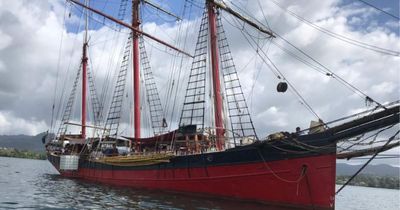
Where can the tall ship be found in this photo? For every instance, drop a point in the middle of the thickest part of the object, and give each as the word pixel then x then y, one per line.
pixel 213 149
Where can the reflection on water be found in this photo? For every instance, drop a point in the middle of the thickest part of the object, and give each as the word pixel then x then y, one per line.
pixel 70 193
pixel 34 184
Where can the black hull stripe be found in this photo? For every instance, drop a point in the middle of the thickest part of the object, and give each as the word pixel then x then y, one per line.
pixel 254 153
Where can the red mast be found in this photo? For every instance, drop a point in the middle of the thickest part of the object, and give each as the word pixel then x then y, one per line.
pixel 135 33
pixel 136 70
pixel 84 76
pixel 215 75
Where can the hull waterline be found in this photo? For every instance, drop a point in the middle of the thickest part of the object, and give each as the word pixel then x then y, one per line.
pixel 301 182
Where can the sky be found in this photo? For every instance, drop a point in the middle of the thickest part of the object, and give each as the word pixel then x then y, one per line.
pixel 40 48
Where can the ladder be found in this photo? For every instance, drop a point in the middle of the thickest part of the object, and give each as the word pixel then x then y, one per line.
pixel 114 113
pixel 240 119
pixel 194 104
pixel 68 108
pixel 158 121
pixel 97 107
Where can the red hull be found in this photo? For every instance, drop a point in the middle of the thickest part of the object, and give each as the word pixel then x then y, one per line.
pixel 284 182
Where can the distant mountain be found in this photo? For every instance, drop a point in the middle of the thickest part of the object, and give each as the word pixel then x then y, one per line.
pixel 343 169
pixel 23 142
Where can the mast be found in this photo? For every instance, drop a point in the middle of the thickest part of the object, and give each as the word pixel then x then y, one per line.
pixel 136 70
pixel 211 8
pixel 130 27
pixel 84 74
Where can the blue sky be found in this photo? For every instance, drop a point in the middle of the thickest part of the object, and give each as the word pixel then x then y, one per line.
pixel 380 18
pixel 149 14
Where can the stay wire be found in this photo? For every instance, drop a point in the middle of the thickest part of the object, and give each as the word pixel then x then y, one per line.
pixel 309 64
pixel 175 99
pixel 277 72
pixel 365 165
pixel 381 10
pixel 332 74
pixel 61 107
pixel 315 67
pixel 262 12
pixel 375 135
pixel 338 36
pixel 256 73
pixel 102 22
pixel 240 8
pixel 108 82
pixel 95 96
pixel 58 68
pixel 290 53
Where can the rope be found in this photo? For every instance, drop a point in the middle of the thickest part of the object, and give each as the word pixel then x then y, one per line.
pixel 58 69
pixel 302 174
pixel 272 66
pixel 345 83
pixel 375 135
pixel 383 11
pixel 333 75
pixel 365 165
pixel 60 108
pixel 101 22
pixel 309 193
pixel 338 36
pixel 174 99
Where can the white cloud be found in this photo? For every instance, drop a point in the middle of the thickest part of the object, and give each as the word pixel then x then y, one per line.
pixel 2 66
pixel 5 40
pixel 278 118
pixel 10 124
pixel 29 66
pixel 383 88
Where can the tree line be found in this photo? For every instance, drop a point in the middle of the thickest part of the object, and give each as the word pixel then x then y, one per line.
pixel 371 181
pixel 11 152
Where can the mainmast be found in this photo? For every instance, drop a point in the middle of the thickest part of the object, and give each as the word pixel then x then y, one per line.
pixel 136 69
pixel 84 73
pixel 219 124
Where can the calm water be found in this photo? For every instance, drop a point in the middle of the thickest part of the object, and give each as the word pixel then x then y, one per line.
pixel 34 184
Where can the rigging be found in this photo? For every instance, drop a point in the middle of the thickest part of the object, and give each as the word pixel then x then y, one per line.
pixel 60 108
pixel 369 160
pixel 52 124
pixel 332 74
pixel 318 68
pixel 130 27
pixel 338 36
pixel 272 66
pixel 381 10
